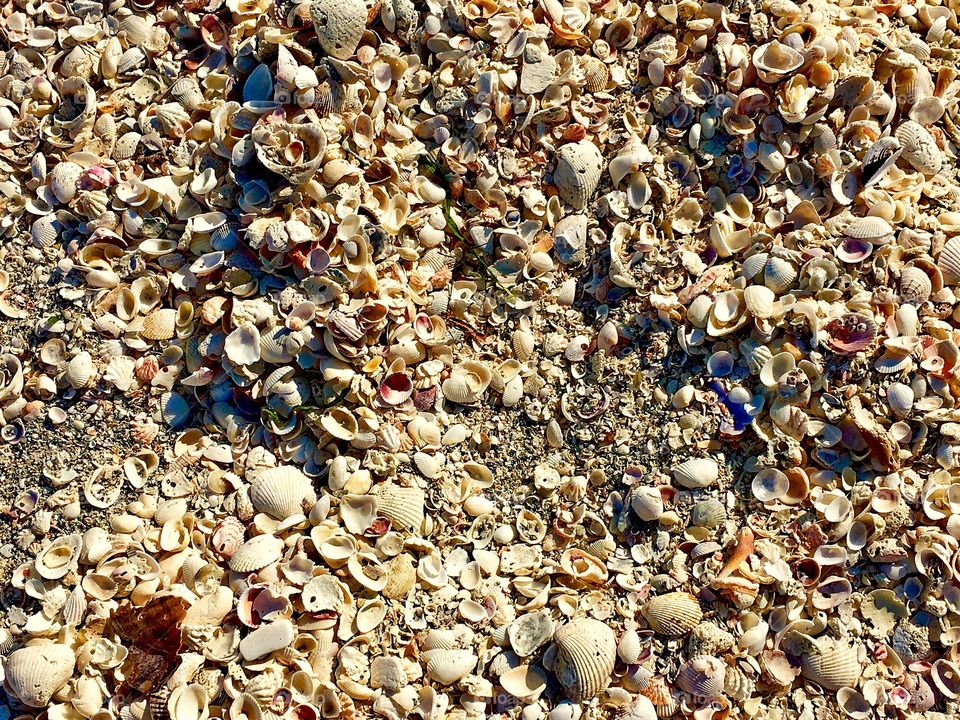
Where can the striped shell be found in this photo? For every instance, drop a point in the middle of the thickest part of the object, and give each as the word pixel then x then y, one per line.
pixel 920 148
pixel 868 228
pixel 831 664
pixel 35 673
pixel 595 75
pixel 449 666
pixel 79 370
pixel 280 491
pixel 915 286
pixel 629 647
pixel 256 553
pixel 402 506
pixel 523 344
pixel 949 261
pixel 708 513
pixel 64 179
pixel 160 324
pixel 696 473
pixel 586 655
pixel 673 614
pixel 702 676
pixel 579 166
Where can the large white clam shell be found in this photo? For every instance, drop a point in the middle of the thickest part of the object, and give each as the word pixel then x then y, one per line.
pixel 280 491
pixel 579 166
pixel 34 673
pixel 448 666
pixel 59 557
pixel 586 655
pixel 696 473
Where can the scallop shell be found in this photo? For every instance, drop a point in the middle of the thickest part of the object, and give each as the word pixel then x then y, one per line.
pixel 579 166
pixel 920 148
pixel 696 473
pixel 64 180
pixel 402 506
pixel 280 491
pixel 586 655
pixel 702 676
pixel 467 382
pixel 595 75
pixel 447 666
pixel 79 370
pixel 915 286
pixel 708 513
pixel 33 674
pixel 673 614
pixel 523 344
pixel 630 646
pixel 339 25
pixel 257 553
pixel 160 324
pixel 949 261
pixel 647 503
pixel 831 664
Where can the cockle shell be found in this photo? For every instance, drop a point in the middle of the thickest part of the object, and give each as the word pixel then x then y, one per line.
pixel 160 324
pixel 339 25
pixel 832 664
pixel 64 180
pixel 273 143
pixel 257 553
pixel 280 491
pixel 696 473
pixel 402 506
pixel 919 148
pixel 673 614
pixel 702 676
pixel 708 513
pixel 467 382
pixel 35 673
pixel 949 261
pixel 188 702
pixel 578 170
pixel 586 655
pixel 915 286
pixel 80 370
pixel 448 666
pixel 630 646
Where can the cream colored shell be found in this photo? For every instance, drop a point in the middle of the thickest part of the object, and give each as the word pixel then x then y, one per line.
pixel 586 655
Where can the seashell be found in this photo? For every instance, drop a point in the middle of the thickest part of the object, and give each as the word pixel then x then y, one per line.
pixel 339 25
pixel 596 76
pixel 160 324
pixel 647 503
pixel 174 409
pixel 34 673
pixel 188 702
pixel 915 286
pixel 528 632
pixel 949 261
pixel 256 554
pixel 696 473
pixel 59 557
pixel 292 151
pixel 539 70
pixel 242 346
pixel 523 681
pixel 879 158
pixel 402 506
pixel 585 658
pixel 850 333
pixel 774 61
pixel 702 676
pixel 832 664
pixel 708 513
pixel 759 300
pixel 448 666
pixel 280 491
pixel 267 639
pixel 64 181
pixel 523 343
pixel 919 148
pixel 870 227
pixel 79 370
pixel 467 382
pixel 578 170
pixel 769 485
pixel 629 647
pixel 673 614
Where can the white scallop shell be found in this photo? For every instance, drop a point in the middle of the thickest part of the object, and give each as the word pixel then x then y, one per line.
pixel 702 676
pixel 64 179
pixel 80 370
pixel 402 506
pixel 448 666
pixel 696 473
pixel 256 553
pixel 579 166
pixel 280 491
pixel 34 673
pixel 647 502
pixel 630 646
pixel 586 655
pixel 920 148
pixel 467 382
pixel 949 261
pixel 339 25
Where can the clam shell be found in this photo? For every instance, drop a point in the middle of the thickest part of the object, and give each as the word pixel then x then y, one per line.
pixel 467 382
pixel 647 503
pixel 708 513
pixel 59 557
pixel 256 553
pixel 339 25
pixel 530 631
pixel 696 473
pixel 33 674
pixel 79 370
pixel 915 286
pixel 64 179
pixel 831 664
pixel 702 676
pixel 759 300
pixel 673 614
pixel 160 324
pixel 919 148
pixel 630 646
pixel 586 655
pixel 949 261
pixel 402 506
pixel 447 666
pixel 280 491
pixel 579 166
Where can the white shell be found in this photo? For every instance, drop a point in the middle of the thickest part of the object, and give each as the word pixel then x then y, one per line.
pixel 160 324
pixel 530 631
pixel 949 261
pixel 579 166
pixel 920 148
pixel 696 473
pixel 402 506
pixel 242 346
pixel 35 673
pixel 647 503
pixel 267 639
pixel 188 702
pixel 63 180
pixel 586 655
pixel 467 382
pixel 280 491
pixel 79 371
pixel 448 666
pixel 256 553
pixel 339 25
pixel 59 557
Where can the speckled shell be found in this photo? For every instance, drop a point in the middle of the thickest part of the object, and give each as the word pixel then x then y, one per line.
pixel 579 166
pixel 586 655
pixel 673 614
pixel 339 25
pixel 280 491
pixel 831 664
pixel 949 261
pixel 915 286
pixel 696 473
pixel 257 553
pixel 702 676
pixel 402 506
pixel 160 324
pixel 63 180
pixel 920 148
pixel 35 673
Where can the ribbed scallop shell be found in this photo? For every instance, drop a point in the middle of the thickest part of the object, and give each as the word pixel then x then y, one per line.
pixel 75 608
pixel 595 75
pixel 915 286
pixel 35 673
pixel 45 230
pixel 629 647
pixel 696 473
pixel 523 344
pixel 63 180
pixel 339 25
pixel 779 273
pixel 920 148
pixel 949 261
pixel 702 676
pixel 449 666
pixel 868 228
pixel 708 513
pixel 831 664
pixel 160 324
pixel 280 491
pixel 579 166
pixel 79 370
pixel 187 92
pixel 586 655
pixel 402 506
pixel 257 553
pixel 673 614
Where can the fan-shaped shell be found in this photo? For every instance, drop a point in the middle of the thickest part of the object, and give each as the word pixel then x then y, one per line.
pixel 402 506
pixel 79 370
pixel 467 382
pixel 696 473
pixel 831 664
pixel 702 676
pixel 915 286
pixel 595 75
pixel 673 614
pixel 280 491
pixel 759 300
pixel 647 503
pixel 64 179
pixel 708 513
pixel 339 25
pixel 870 227
pixel 160 324
pixel 949 261
pixel 448 666
pixel 579 166
pixel 36 672
pixel 920 148
pixel 256 553
pixel 630 646
pixel 586 655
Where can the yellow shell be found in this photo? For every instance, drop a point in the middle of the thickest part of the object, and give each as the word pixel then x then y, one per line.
pixel 673 614
pixel 160 324
pixel 586 655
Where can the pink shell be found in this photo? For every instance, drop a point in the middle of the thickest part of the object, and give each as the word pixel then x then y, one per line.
pixel 395 389
pixel 227 537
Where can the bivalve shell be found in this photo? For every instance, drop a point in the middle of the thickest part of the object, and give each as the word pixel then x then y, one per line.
pixel 35 673
pixel 920 148
pixel 402 506
pixel 702 676
pixel 256 553
pixel 339 25
pixel 448 666
pixel 696 473
pixel 586 655
pixel 280 491
pixel 673 614
pixel 579 166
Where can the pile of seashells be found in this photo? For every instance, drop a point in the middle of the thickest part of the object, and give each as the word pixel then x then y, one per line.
pixel 708 251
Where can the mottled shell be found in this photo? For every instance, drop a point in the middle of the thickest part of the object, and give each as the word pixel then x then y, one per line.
pixel 673 614
pixel 702 676
pixel 280 491
pixel 696 473
pixel 339 25
pixel 586 655
pixel 35 673
pixel 257 553
pixel 579 166
pixel 402 506
pixel 920 148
